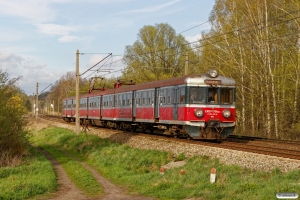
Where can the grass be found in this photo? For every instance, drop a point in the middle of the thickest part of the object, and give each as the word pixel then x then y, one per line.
pixel 139 170
pixel 34 177
pixel 82 178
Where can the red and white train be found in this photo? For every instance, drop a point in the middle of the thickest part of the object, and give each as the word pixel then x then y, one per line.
pixel 192 106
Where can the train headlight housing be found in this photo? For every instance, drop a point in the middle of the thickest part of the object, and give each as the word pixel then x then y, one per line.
pixel 213 73
pixel 199 112
pixel 226 113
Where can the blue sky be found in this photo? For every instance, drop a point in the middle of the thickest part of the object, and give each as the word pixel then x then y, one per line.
pixel 39 38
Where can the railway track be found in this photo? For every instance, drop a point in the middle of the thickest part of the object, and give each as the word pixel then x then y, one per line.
pixel 278 148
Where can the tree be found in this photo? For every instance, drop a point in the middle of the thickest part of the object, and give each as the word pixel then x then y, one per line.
pixel 157 54
pixel 256 43
pixel 13 141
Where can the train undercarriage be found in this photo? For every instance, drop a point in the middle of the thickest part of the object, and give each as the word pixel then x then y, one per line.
pixel 211 130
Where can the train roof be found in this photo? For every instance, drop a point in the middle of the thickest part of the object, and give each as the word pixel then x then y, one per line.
pixel 191 80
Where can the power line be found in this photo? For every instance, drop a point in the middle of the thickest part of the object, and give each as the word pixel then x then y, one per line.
pixel 193 27
pixel 216 36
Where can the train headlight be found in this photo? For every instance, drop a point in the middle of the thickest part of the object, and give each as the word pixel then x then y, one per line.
pixel 213 73
pixel 226 113
pixel 199 112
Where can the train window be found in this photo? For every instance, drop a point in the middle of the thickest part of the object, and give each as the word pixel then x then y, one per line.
pixel 197 95
pixel 226 96
pixel 213 95
pixel 182 94
pixel 169 94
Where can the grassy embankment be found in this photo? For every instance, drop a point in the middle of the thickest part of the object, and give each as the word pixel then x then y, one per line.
pixel 139 170
pixel 34 177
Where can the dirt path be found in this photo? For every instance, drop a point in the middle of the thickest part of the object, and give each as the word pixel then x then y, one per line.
pixel 67 190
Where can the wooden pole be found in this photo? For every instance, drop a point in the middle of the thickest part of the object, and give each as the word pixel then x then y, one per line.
pixel 77 94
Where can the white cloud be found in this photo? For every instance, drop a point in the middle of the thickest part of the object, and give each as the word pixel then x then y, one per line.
pixel 54 29
pixel 68 38
pixel 193 38
pixel 151 9
pixel 35 11
pixel 16 65
pixel 58 30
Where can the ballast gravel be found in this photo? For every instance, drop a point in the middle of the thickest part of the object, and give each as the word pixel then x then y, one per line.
pixel 226 156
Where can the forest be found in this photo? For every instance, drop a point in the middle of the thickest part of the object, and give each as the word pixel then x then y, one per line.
pixel 255 42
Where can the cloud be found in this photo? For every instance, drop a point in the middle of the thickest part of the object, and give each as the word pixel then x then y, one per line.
pixel 54 29
pixel 193 38
pixel 68 38
pixel 35 11
pixel 58 30
pixel 151 9
pixel 31 72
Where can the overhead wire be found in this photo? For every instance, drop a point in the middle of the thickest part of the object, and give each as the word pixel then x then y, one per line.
pixel 215 36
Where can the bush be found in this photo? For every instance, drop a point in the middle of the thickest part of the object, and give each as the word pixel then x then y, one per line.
pixel 13 141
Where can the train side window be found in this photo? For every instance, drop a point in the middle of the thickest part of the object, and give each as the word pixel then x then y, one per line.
pixel 169 94
pixel 213 95
pixel 182 94
pixel 226 96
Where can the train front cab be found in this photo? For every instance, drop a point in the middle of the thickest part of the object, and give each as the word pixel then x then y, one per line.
pixel 211 114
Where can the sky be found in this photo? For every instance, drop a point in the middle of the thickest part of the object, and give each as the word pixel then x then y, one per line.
pixel 39 38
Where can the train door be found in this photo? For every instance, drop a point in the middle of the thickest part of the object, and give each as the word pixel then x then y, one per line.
pixel 175 102
pixel 100 106
pixel 133 105
pixel 156 103
pixel 87 107
pixel 72 108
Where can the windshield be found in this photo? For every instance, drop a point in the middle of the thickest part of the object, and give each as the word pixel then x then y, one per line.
pixel 227 95
pixel 211 95
pixel 197 95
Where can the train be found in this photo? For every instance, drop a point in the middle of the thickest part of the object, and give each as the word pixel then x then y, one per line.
pixel 192 106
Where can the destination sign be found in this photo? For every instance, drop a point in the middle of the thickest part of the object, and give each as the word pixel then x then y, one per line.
pixel 213 82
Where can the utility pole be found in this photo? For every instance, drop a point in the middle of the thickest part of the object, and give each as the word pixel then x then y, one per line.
pixel 186 64
pixel 33 110
pixel 77 121
pixel 37 101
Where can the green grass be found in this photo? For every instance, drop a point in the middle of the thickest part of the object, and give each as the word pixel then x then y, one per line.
pixel 34 177
pixel 139 170
pixel 81 177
